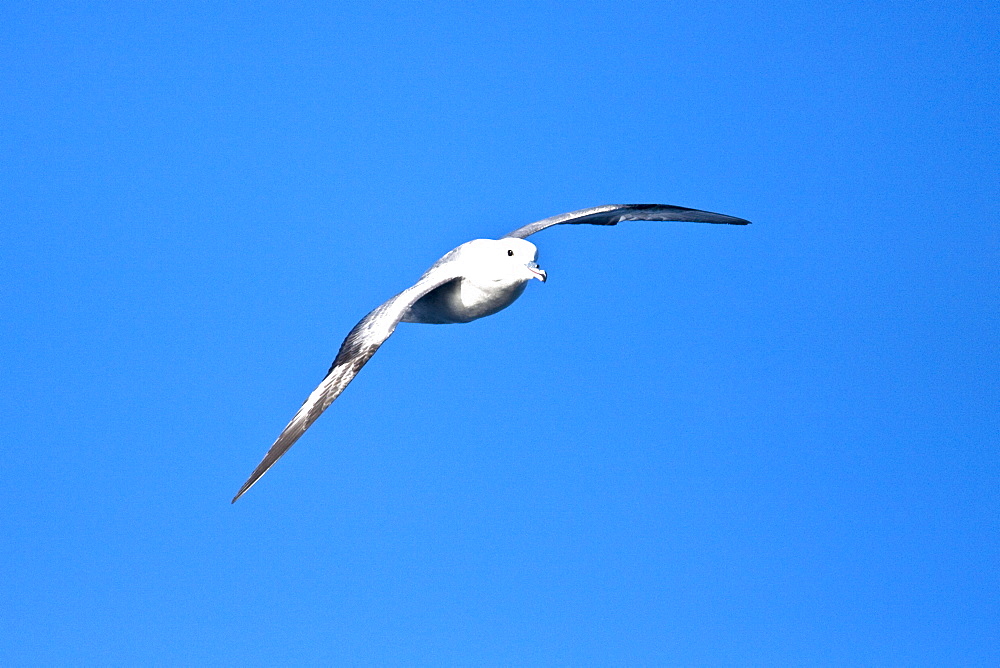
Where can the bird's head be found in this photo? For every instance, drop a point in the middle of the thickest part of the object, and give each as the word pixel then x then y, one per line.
pixel 521 257
pixel 504 260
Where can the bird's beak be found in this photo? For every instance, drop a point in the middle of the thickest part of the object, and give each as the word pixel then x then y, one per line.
pixel 537 272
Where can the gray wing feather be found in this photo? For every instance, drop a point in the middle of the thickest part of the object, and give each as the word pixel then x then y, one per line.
pixel 359 346
pixel 611 214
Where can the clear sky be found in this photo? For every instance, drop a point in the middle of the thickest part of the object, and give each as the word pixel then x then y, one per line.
pixel 695 445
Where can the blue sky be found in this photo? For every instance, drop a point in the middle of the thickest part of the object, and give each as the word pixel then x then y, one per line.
pixel 695 445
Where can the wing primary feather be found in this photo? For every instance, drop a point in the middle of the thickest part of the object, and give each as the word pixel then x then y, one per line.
pixel 612 214
pixel 358 347
pixel 317 402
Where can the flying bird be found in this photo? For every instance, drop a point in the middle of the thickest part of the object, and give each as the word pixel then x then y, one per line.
pixel 477 279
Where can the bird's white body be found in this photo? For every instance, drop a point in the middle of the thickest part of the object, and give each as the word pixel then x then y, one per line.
pixel 494 273
pixel 463 300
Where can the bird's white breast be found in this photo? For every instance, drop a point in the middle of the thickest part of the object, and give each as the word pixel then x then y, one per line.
pixel 464 300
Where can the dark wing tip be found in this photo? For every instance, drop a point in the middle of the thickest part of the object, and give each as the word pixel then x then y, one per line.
pixel 612 214
pixel 676 213
pixel 280 447
pixel 247 485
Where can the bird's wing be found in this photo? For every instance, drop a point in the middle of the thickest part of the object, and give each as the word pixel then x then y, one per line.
pixel 355 351
pixel 610 214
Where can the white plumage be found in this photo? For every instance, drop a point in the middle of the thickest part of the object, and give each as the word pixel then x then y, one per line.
pixel 477 279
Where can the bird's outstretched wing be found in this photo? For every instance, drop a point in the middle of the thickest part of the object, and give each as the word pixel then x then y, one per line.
pixel 355 351
pixel 610 214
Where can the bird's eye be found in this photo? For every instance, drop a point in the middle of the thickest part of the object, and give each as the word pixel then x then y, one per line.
pixel 510 253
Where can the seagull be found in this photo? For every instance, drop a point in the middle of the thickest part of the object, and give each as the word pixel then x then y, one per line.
pixel 477 279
